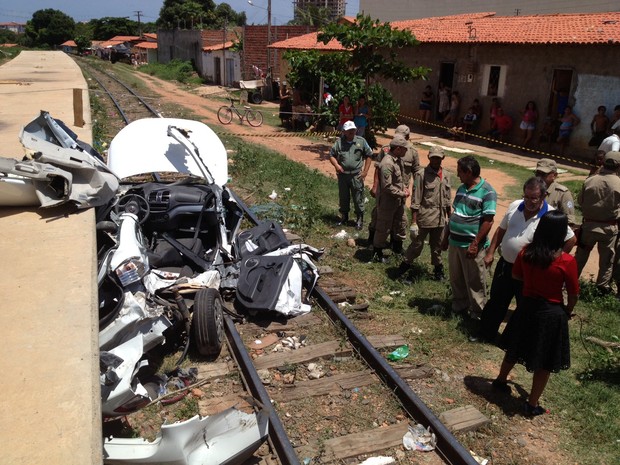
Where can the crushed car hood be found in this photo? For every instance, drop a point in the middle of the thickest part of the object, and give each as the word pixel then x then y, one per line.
pixel 145 146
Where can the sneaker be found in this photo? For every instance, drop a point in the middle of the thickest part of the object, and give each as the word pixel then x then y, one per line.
pixel 501 386
pixel 533 411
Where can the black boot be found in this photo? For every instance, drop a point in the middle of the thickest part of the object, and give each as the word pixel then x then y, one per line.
pixel 377 255
pixel 403 268
pixel 397 247
pixel 344 219
pixel 438 274
pixel 371 237
pixel 359 224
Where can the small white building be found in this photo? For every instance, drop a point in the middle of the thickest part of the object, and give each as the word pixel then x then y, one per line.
pixel 221 65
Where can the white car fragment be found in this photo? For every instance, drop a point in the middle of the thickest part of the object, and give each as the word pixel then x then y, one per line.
pixel 229 437
pixel 62 170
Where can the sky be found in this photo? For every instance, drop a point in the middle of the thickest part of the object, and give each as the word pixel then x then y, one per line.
pixel 84 10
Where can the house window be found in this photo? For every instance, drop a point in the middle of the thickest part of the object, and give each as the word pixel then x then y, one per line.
pixel 493 80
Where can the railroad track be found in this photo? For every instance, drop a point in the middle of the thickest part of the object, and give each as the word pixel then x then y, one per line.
pixel 116 97
pixel 350 403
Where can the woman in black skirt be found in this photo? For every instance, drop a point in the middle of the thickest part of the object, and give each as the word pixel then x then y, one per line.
pixel 537 334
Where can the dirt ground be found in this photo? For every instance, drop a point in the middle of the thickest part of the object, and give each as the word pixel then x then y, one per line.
pixel 528 441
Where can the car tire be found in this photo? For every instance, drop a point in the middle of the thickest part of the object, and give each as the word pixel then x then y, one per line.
pixel 208 322
pixel 256 98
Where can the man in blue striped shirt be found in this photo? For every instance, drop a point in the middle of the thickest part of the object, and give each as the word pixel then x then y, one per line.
pixel 472 216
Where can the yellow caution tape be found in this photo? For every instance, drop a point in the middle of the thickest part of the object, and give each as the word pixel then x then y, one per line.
pixel 495 141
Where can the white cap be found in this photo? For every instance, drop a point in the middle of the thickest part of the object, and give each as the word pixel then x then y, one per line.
pixel 348 125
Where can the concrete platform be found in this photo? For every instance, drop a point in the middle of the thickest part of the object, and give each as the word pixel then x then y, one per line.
pixel 50 405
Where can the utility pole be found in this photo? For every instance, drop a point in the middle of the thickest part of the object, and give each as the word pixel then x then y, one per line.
pixel 224 54
pixel 138 13
pixel 269 73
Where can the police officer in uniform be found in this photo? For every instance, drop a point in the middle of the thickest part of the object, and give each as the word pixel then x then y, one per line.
pixel 391 196
pixel 558 195
pixel 350 156
pixel 430 210
pixel 411 163
pixel 600 203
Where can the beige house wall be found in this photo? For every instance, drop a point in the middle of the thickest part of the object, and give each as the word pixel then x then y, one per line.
pixel 528 73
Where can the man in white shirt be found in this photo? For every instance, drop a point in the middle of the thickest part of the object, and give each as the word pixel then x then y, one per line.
pixel 611 143
pixel 515 231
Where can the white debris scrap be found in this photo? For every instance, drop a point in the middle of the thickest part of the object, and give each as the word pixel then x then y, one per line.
pixel 419 438
pixel 379 460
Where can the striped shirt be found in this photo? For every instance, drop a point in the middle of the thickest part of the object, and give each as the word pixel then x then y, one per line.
pixel 469 207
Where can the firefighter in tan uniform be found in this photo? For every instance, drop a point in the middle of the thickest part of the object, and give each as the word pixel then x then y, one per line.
pixel 430 211
pixel 391 196
pixel 558 195
pixel 411 164
pixel 600 203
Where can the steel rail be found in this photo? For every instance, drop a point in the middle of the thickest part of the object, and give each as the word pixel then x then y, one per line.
pixel 116 104
pixel 142 101
pixel 279 438
pixel 447 445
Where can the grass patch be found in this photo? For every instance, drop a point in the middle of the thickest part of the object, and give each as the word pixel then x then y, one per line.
pixel 176 70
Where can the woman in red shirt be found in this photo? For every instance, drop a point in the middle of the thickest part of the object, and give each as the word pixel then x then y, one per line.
pixel 537 334
pixel 345 111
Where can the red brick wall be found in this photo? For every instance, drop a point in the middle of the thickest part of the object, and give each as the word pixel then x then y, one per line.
pixel 255 47
pixel 216 37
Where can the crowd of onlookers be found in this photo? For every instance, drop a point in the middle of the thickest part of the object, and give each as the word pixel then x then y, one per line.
pixel 534 239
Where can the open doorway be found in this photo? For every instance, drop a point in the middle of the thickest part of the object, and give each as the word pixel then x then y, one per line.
pixel 217 73
pixel 446 77
pixel 559 94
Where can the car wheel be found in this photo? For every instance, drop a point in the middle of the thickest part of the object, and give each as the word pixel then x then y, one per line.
pixel 208 322
pixel 256 98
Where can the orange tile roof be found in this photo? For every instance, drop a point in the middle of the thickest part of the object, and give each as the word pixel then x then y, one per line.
pixel 580 28
pixel 125 38
pixel 150 35
pixel 151 45
pixel 69 43
pixel 307 42
pixel 211 48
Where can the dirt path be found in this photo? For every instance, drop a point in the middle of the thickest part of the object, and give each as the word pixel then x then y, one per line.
pixel 315 154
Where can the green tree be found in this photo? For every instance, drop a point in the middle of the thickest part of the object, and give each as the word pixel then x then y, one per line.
pixel 198 13
pixel 108 27
pixel 370 57
pixel 82 43
pixel 49 28
pixel 7 37
pixel 185 13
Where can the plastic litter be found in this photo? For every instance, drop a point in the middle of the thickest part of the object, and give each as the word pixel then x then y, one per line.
pixel 380 460
pixel 340 235
pixel 273 195
pixel 419 438
pixel 399 353
pixel 477 458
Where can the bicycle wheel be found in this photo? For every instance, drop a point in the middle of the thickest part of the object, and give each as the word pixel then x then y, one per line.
pixel 225 115
pixel 254 117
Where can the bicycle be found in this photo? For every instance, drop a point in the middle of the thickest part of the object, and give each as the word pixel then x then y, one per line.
pixel 226 112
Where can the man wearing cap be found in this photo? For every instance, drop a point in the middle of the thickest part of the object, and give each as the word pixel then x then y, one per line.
pixel 473 211
pixel 391 196
pixel 411 164
pixel 611 143
pixel 600 202
pixel 430 210
pixel 558 195
pixel 350 156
